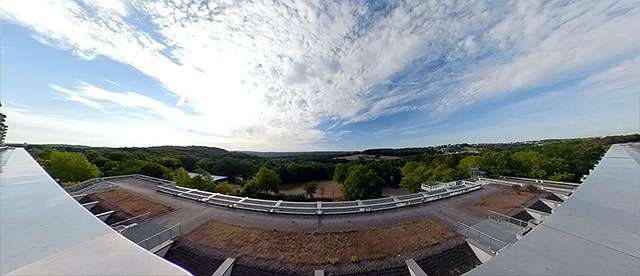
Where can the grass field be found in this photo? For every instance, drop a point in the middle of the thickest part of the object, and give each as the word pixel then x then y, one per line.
pixel 322 247
pixel 326 189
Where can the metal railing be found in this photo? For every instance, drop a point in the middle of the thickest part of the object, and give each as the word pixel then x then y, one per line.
pixel 315 208
pixel 129 219
pixel 161 237
pixel 501 217
pixel 485 239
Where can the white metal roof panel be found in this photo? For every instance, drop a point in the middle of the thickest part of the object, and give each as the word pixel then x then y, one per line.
pixel 44 231
pixel 595 232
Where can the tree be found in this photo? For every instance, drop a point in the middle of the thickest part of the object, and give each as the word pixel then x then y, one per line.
pixel 155 170
pixel 309 188
pixel 413 176
pixel 341 172
pixel 362 183
pixel 203 181
pixel 224 188
pixel 464 166
pixel 531 163
pixel 71 166
pixel 181 177
pixel 264 181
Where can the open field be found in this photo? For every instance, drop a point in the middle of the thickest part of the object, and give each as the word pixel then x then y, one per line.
pixel 131 203
pixel 367 157
pixel 507 200
pixel 321 247
pixel 326 189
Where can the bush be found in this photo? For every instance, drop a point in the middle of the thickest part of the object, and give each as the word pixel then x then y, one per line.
pixel 354 259
pixel 68 183
pixel 332 260
pixel 531 188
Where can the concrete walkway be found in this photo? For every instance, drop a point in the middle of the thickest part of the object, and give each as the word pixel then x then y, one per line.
pixel 192 214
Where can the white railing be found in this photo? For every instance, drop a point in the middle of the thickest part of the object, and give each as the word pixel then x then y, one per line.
pixel 161 237
pixel 485 239
pixel 501 217
pixel 304 208
pixel 314 208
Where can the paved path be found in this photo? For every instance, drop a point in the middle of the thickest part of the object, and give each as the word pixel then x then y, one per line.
pixel 192 214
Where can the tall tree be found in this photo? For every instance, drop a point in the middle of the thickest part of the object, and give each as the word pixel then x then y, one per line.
pixel 71 166
pixel 309 188
pixel 264 181
pixel 341 172
pixel 181 177
pixel 362 183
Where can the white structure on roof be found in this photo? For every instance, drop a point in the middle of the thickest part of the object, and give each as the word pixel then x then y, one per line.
pixel 44 231
pixel 594 232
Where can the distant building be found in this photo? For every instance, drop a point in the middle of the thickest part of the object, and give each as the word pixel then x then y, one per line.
pixel 216 178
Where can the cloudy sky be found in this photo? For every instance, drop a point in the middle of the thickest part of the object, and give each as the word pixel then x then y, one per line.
pixel 317 75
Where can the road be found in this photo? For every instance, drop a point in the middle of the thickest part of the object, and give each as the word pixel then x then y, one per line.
pixel 192 214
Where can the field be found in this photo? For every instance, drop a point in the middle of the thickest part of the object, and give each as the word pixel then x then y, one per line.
pixel 367 157
pixel 504 202
pixel 326 189
pixel 131 204
pixel 320 247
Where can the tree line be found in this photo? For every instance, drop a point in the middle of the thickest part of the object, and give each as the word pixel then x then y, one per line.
pixel 563 160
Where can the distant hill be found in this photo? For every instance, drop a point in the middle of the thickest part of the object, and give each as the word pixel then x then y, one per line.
pixel 272 154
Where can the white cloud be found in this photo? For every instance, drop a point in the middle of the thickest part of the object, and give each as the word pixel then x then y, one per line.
pixel 268 73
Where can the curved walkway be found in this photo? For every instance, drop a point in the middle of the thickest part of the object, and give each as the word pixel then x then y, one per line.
pixel 192 214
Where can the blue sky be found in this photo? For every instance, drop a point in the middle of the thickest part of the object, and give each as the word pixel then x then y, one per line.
pixel 339 75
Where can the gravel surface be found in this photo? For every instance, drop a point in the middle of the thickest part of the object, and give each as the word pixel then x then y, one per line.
pixel 452 257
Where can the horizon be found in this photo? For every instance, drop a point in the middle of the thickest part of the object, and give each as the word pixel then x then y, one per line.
pixel 301 77
pixel 346 150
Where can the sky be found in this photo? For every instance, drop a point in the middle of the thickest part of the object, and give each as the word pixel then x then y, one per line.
pixel 317 75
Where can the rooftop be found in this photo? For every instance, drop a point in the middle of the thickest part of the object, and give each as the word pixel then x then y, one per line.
pixel 45 231
pixel 595 232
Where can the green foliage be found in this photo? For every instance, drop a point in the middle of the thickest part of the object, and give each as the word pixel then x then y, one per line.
pixel 302 171
pixel 155 170
pixel 71 166
pixel 414 175
pixel 341 172
pixel 225 188
pixel 203 181
pixel 464 166
pixel 232 167
pixel 362 183
pixel 181 177
pixel 354 259
pixel 309 188
pixel 265 180
pixel 332 260
pixel 68 183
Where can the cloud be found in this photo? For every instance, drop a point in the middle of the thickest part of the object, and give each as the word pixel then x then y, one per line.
pixel 272 72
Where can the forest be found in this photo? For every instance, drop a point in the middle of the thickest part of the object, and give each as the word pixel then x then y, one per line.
pixel 562 160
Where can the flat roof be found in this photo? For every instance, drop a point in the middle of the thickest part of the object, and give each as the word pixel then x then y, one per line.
pixel 44 231
pixel 595 232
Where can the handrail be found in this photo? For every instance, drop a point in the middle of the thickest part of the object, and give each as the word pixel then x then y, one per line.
pixel 491 238
pixel 129 219
pixel 146 242
pixel 289 207
pixel 520 223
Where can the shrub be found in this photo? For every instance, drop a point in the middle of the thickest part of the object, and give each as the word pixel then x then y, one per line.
pixel 531 188
pixel 354 259
pixel 332 260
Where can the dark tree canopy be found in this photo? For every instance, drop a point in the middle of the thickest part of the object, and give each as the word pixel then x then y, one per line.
pixel 362 183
